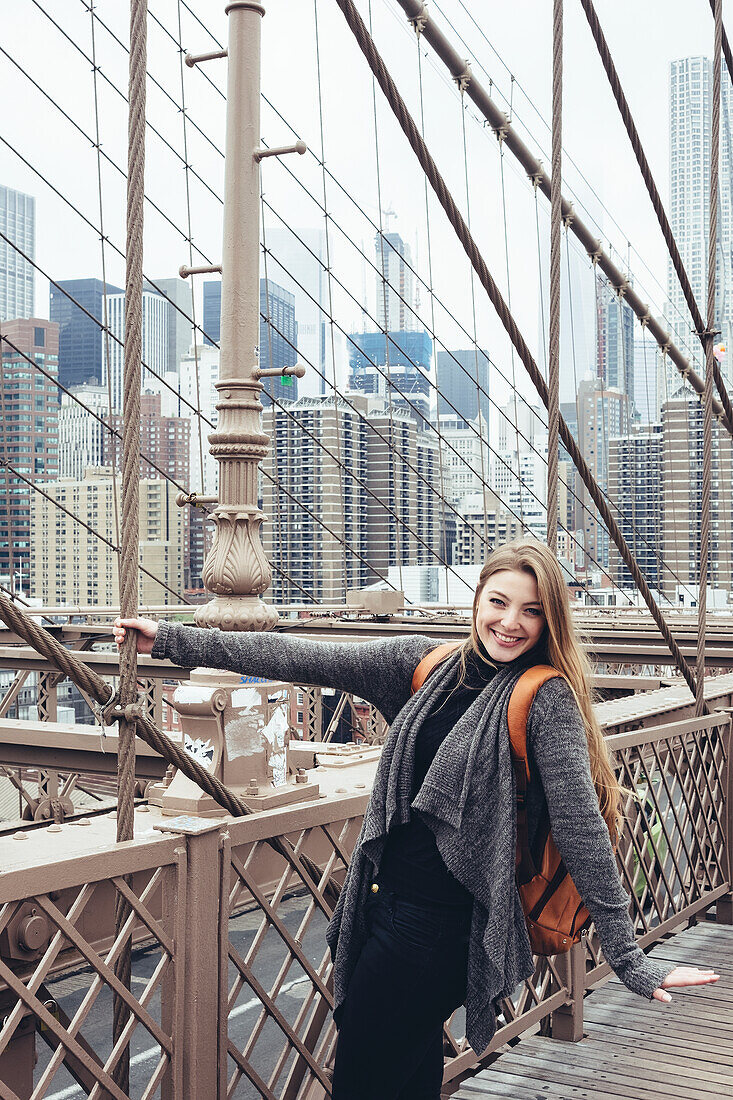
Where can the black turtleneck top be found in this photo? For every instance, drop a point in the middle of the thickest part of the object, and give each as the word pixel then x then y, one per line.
pixel 411 864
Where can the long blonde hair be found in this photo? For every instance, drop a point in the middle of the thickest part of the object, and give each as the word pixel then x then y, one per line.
pixel 563 652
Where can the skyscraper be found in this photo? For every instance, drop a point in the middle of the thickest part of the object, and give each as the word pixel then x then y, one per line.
pixel 614 339
pixel 602 415
pixel 682 447
pixel 28 432
pixel 396 302
pixel 458 373
pixel 635 486
pixel 689 161
pixel 212 311
pixel 81 435
pixel 82 343
pixel 17 278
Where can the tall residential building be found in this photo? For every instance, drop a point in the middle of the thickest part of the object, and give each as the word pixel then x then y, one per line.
pixel 404 514
pixel 322 506
pixel 465 458
pixel 28 431
pixel 394 365
pixel 602 415
pixel 278 334
pixel 179 311
pixel 83 346
pixel 165 439
pixel 17 278
pixel 396 298
pixel 297 262
pixel 155 311
pixel 69 564
pixel 614 339
pixel 635 487
pixel 481 528
pixel 690 105
pixel 463 380
pixel 81 434
pixel 681 497
pixel 520 483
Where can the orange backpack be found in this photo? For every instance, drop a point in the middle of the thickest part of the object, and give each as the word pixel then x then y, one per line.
pixel 553 910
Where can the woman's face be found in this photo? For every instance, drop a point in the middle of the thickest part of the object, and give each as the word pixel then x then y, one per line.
pixel 509 616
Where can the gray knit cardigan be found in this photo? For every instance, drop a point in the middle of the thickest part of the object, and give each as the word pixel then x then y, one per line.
pixel 467 800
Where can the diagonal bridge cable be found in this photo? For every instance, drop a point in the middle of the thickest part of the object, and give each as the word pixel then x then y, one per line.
pixel 403 116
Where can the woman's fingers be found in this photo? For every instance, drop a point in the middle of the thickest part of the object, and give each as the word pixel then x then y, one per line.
pixel 684 976
pixel 146 631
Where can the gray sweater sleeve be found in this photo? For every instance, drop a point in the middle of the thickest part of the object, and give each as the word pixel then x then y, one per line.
pixel 556 736
pixel 379 671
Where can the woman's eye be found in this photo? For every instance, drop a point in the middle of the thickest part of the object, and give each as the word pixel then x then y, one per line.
pixel 494 600
pixel 534 611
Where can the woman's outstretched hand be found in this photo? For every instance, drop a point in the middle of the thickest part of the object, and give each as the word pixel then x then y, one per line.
pixel 681 976
pixel 146 631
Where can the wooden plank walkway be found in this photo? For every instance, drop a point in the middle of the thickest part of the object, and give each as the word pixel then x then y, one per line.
pixel 634 1049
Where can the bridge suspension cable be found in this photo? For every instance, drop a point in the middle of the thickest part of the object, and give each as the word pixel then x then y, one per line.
pixel 415 9
pixel 406 122
pixel 199 417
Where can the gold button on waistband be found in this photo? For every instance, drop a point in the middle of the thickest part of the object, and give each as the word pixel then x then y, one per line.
pixel 375 888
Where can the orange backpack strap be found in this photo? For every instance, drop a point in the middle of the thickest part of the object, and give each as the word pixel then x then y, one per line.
pixel 520 704
pixel 430 661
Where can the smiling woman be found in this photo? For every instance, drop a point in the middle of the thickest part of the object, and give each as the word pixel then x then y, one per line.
pixel 429 915
pixel 509 615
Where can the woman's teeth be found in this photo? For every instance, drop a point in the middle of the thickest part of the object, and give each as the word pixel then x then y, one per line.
pixel 505 639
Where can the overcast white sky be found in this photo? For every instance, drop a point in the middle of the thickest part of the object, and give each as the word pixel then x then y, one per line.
pixel 644 36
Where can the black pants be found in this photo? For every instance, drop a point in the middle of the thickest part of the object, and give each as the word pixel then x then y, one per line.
pixel 410 977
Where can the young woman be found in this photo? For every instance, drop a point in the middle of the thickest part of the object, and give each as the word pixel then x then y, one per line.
pixel 429 917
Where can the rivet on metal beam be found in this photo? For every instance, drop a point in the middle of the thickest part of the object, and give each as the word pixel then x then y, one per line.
pixel 296 371
pixel 207 269
pixel 192 59
pixel 299 147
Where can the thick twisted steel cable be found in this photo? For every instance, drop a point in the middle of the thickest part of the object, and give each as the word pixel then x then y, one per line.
pixel 709 337
pixel 656 199
pixel 428 165
pixel 553 374
pixel 129 548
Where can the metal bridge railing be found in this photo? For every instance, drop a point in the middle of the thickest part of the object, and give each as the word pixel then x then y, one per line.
pixel 231 975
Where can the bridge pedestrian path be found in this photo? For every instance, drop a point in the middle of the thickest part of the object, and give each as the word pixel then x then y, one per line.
pixel 633 1049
